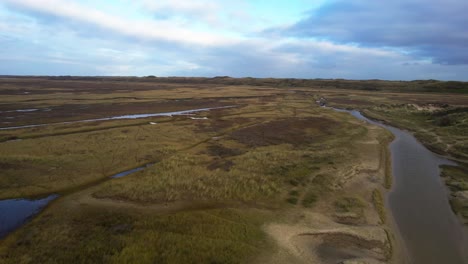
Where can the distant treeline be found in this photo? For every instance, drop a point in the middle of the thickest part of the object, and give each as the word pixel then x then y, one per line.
pixel 367 85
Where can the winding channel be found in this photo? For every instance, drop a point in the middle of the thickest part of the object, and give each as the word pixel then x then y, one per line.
pixel 419 203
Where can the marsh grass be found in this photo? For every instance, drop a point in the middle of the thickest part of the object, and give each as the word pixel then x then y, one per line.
pixel 449 138
pixel 386 138
pixel 349 204
pixel 185 177
pixel 377 200
pixel 293 165
pixel 53 164
pixel 97 236
pixel 231 169
pixel 456 179
pixel 310 198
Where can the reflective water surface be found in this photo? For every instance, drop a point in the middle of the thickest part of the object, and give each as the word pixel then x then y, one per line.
pixel 15 212
pixel 419 202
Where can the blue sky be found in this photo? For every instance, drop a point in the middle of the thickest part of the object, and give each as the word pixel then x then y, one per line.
pixel 353 39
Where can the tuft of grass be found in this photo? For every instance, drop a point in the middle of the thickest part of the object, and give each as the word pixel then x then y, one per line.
pixel 456 179
pixel 377 200
pixel 295 174
pixel 349 204
pixel 385 139
pixel 388 180
pixel 292 200
pixel 309 199
pixel 293 193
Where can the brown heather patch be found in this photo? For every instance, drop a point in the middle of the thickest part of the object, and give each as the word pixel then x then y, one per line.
pixel 222 151
pixel 291 131
pixel 216 125
pixel 346 101
pixel 222 164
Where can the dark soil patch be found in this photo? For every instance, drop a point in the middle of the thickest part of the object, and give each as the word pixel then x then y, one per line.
pixel 9 166
pixel 344 240
pixel 222 164
pixel 345 101
pixel 339 247
pixel 295 131
pixel 221 151
pixel 218 125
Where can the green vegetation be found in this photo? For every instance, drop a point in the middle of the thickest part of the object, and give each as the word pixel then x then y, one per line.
pixel 428 86
pixel 456 179
pixel 378 202
pixel 349 205
pixel 104 236
pixel 214 185
pixel 388 172
pixel 350 210
pixel 292 200
pixel 54 164
pixel 309 199
pixel 442 129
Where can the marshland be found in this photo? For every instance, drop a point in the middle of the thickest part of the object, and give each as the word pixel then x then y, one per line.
pixel 220 170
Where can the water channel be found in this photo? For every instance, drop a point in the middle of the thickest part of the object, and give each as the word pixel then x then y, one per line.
pixel 419 203
pixel 132 116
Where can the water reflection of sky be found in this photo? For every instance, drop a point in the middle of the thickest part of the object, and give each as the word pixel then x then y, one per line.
pixel 14 212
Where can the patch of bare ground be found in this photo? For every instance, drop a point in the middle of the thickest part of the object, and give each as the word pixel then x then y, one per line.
pixel 316 238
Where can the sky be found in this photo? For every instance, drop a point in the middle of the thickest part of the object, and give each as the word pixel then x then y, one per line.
pixel 351 39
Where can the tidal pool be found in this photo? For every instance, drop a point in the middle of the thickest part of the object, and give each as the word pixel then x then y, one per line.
pixel 15 212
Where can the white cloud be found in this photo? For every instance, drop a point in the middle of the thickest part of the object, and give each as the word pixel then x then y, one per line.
pixel 175 37
pixel 145 29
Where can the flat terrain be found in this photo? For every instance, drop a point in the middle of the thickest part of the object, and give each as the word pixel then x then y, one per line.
pixel 273 178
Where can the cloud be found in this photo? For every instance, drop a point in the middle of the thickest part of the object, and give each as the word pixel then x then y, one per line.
pixel 355 40
pixel 144 29
pixel 207 11
pixel 426 28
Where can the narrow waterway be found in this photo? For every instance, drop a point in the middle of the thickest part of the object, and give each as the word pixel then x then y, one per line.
pixel 132 116
pixel 419 202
